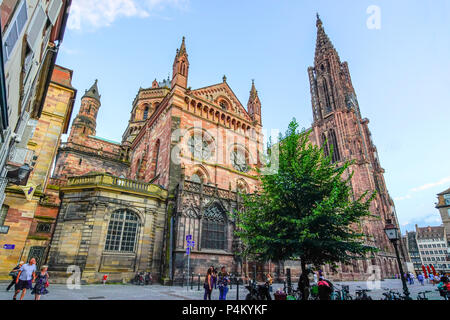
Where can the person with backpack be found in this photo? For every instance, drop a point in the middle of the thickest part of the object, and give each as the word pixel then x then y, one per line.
pixel 444 288
pixel 41 285
pixel 325 289
pixel 14 272
pixel 25 278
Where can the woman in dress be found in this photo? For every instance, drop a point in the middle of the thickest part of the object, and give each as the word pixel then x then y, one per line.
pixel 41 283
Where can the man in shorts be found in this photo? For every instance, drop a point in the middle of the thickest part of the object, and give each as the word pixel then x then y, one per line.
pixel 25 278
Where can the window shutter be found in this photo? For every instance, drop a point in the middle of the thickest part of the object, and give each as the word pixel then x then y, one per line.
pixel 36 26
pixel 53 10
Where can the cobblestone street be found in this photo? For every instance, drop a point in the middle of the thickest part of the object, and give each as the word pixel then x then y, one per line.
pixel 158 292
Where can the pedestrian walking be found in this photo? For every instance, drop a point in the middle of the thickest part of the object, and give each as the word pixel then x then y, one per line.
pixel 25 278
pixel 41 285
pixel 214 277
pixel 269 281
pixel 431 277
pixel 14 272
pixel 207 285
pixel 411 277
pixel 420 278
pixel 303 286
pixel 105 277
pixel 444 288
pixel 223 281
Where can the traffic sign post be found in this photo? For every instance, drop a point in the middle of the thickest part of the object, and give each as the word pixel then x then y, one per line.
pixel 190 245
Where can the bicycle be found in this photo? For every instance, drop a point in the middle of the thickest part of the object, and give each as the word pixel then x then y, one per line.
pixel 423 295
pixel 341 294
pixel 390 294
pixel 361 294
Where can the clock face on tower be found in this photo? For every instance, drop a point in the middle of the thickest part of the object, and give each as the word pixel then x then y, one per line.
pixel 199 148
pixel 239 161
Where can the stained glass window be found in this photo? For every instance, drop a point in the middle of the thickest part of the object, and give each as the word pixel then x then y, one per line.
pixel 214 228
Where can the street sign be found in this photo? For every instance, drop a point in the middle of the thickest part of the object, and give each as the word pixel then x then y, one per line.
pixel 190 245
pixel 9 246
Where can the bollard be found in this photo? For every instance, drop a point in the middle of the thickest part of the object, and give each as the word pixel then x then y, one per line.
pixel 231 281
pixel 289 281
pixel 192 280
pixel 198 282
pixel 237 289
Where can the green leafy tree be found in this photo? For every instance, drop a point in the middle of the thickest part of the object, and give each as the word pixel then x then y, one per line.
pixel 306 210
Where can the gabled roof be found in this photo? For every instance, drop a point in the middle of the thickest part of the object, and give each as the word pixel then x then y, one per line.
pixel 444 192
pixel 224 90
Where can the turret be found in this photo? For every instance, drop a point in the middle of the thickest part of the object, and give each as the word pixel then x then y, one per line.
pixel 85 123
pixel 180 67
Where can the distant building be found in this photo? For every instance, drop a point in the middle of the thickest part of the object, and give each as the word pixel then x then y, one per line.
pixel 443 206
pixel 413 250
pixel 433 247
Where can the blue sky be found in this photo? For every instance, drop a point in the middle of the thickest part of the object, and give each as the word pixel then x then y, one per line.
pixel 400 72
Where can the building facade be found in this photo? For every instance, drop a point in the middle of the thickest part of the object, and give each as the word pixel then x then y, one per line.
pixel 176 176
pixel 200 146
pixel 443 205
pixel 32 31
pixel 413 251
pixel 29 212
pixel 433 249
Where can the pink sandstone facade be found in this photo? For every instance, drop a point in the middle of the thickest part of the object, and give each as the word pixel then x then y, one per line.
pixel 202 146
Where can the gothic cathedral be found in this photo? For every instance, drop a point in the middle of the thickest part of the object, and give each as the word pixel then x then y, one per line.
pixel 184 158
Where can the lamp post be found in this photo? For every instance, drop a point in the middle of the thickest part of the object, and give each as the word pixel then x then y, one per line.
pixel 393 235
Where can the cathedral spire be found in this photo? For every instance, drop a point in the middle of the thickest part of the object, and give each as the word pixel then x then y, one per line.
pixel 323 42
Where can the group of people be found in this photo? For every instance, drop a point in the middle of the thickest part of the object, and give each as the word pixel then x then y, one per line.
pixel 24 275
pixel 216 279
pixel 324 286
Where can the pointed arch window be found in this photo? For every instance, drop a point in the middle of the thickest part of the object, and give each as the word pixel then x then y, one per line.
pixel 326 92
pixel 214 227
pixel 155 157
pixel 333 141
pixel 325 145
pixel 146 112
pixel 122 232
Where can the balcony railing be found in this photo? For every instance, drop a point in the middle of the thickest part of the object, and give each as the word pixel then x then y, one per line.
pixel 121 183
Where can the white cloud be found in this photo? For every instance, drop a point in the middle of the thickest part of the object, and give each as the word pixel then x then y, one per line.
pixel 408 196
pixel 431 185
pixel 102 13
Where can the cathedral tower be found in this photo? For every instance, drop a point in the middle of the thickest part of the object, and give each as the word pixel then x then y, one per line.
pixel 85 122
pixel 339 128
pixel 180 67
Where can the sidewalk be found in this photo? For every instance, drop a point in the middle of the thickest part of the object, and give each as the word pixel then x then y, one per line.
pixel 159 292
